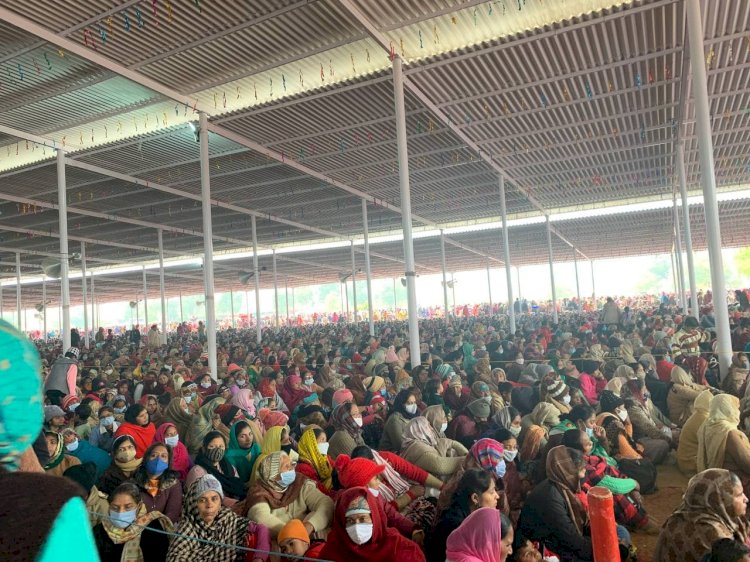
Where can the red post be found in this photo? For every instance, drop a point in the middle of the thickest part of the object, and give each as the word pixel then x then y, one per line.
pixel 603 528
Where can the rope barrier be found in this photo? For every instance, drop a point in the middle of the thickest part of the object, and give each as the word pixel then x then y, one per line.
pixel 212 543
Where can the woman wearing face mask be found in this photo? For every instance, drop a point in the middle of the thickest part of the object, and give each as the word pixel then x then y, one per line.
pixel 167 434
pixel 360 532
pixel 429 450
pixel 650 428
pixel 475 490
pixel 85 452
pixel 211 460
pixel 487 455
pixel 535 428
pixel 469 424
pixel 128 532
pixel 124 464
pixel 557 393
pixel 206 385
pixel 361 472
pixel 151 402
pixel 584 418
pixel 206 419
pixel 59 458
pixel 294 391
pixel 313 459
pixel 205 517
pixel 178 413
pixel 280 495
pixel 159 484
pixel 138 426
pixel 347 422
pixel 513 485
pixel 736 382
pixel 243 450
pixel 404 409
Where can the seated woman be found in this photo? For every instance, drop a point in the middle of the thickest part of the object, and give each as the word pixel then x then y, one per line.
pixel 475 490
pixel 160 486
pixel 179 414
pixel 353 473
pixel 584 418
pixel 681 396
pixel 127 533
pixel 243 450
pixel 280 495
pixel 720 443
pixel 404 410
pixel 423 447
pixel 205 517
pixel 629 510
pixel 123 466
pixel 687 448
pixel 487 455
pixel 137 424
pixel 486 535
pixel 313 459
pixel 181 463
pixel 211 460
pixel 735 382
pixel 468 425
pixel 360 532
pixel 59 459
pixel 649 427
pixel 514 486
pixel 404 485
pixel 728 550
pixel 714 507
pixel 535 429
pixel 508 418
pixel 205 420
pixel 347 422
pixel 553 513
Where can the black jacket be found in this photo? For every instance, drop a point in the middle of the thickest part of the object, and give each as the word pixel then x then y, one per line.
pixel 545 518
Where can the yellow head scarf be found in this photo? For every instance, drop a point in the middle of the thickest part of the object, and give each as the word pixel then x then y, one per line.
pixel 271 444
pixel 308 452
pixel 723 417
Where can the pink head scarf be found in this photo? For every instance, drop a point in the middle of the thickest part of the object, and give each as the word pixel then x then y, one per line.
pixel 341 396
pixel 244 401
pixel 477 539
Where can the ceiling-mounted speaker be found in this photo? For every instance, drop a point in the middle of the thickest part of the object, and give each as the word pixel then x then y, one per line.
pixel 52 267
pixel 39 307
pixel 403 281
pixel 133 304
pixel 245 277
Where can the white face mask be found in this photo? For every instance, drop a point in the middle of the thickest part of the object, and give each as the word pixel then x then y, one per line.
pixel 566 399
pixel 72 446
pixel 515 431
pixel 443 427
pixel 623 415
pixel 410 408
pixel 323 448
pixel 358 421
pixel 509 456
pixel 360 533
pixel 520 360
pixel 172 441
pixel 375 492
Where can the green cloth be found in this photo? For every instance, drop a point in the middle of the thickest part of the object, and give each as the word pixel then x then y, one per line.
pixel 598 450
pixel 620 486
pixel 242 459
pixel 71 532
pixel 469 359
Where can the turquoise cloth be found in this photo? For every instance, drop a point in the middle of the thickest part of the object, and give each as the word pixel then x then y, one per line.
pixel 88 453
pixel 70 536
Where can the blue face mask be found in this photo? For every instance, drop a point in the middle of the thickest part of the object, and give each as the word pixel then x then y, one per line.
pixel 156 467
pixel 500 469
pixel 383 392
pixel 590 432
pixel 287 478
pixel 122 519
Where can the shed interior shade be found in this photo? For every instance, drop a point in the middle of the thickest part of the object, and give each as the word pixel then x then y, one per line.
pixel 581 104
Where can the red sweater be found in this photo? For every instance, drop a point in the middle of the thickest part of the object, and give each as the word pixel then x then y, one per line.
pixel 406 469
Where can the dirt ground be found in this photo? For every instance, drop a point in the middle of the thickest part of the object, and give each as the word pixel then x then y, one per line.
pixel 671 484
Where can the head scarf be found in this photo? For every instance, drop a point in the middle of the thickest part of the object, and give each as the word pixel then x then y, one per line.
pixel 181 462
pixel 20 395
pixel 309 452
pixel 231 484
pixel 175 414
pixel 723 417
pixel 702 402
pixel 227 528
pixel 242 459
pixel 487 453
pixel 342 420
pixel 245 402
pixel 477 538
pixel 267 489
pixel 130 537
pixel 544 414
pixel 56 457
pixel 202 423
pixel 386 542
pixel 436 416
pixel 392 484
pixel 615 386
pixel 272 418
pixel 706 512
pixel 562 471
pixel 419 430
pixel 505 416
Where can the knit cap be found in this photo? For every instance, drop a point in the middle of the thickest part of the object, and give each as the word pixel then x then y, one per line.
pixel 356 472
pixel 608 401
pixel 70 402
pixel 444 371
pixel 52 412
pixel 208 483
pixel 479 409
pixel 555 388
pixel 455 380
pixel 374 383
pixel 295 529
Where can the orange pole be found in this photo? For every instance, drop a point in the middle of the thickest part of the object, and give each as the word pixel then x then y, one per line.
pixel 603 528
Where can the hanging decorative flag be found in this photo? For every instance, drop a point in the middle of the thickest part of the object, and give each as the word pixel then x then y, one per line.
pixel 126 20
pixel 589 92
pixel 638 82
pixel 168 4
pixel 20 71
pixel 543 99
pixel 198 5
pixel 49 64
pixel 139 17
pixel 421 44
pixel 103 35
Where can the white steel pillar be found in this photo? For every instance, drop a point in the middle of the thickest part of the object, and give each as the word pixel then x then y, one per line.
pixel 354 284
pixel 256 276
pixel 62 214
pixel 84 284
pixel 368 272
pixel 145 298
pixel 506 259
pixel 160 239
pixel 44 307
pixel 489 286
pixel 551 272
pixel 286 298
pixel 94 318
pixel 593 283
pixel 18 291
pixel 395 300
pixel 445 276
pixel 578 284
pixel 208 247
pixel 231 305
pixel 182 317
pixel 275 291
pixel 695 309
pixel 678 254
pixel 403 172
